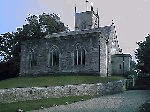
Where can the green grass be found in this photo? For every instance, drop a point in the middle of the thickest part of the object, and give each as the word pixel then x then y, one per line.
pixel 37 104
pixel 54 81
pixel 48 81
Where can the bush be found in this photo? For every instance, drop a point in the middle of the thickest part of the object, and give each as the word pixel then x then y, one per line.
pixel 8 70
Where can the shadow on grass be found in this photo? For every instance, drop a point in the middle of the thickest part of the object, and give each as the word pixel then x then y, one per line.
pixel 45 81
pixel 145 87
pixel 42 103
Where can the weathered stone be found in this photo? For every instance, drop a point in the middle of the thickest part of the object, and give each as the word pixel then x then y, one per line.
pixel 23 94
pixel 87 50
pixel 97 44
pixel 121 63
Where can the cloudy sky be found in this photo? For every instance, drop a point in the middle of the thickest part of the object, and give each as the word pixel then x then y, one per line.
pixel 131 17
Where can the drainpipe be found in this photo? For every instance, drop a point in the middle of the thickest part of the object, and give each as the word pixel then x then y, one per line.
pixel 133 81
pixel 123 63
pixel 99 59
pixel 107 56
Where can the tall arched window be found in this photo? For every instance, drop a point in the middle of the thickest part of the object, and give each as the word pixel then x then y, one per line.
pixel 32 58
pixel 53 56
pixel 79 57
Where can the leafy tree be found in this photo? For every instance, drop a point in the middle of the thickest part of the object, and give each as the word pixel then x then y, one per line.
pixel 143 56
pixel 31 30
pixel 9 67
pixel 39 26
pixel 35 28
pixel 7 44
pixel 50 23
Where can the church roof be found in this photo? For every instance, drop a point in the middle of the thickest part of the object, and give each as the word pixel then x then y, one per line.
pixel 105 31
pixel 121 55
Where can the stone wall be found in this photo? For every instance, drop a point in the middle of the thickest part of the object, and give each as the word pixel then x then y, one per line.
pixel 108 46
pixel 86 20
pixel 113 48
pixel 103 57
pixel 66 46
pixel 121 63
pixel 96 42
pixel 33 93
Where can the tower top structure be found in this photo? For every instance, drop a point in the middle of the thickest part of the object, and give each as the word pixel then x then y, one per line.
pixel 86 4
pixel 86 20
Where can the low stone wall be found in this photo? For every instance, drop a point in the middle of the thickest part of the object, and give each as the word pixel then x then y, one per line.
pixel 33 93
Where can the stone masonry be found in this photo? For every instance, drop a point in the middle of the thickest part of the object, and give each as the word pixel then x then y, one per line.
pixel 97 44
pixel 34 93
pixel 121 63
pixel 87 50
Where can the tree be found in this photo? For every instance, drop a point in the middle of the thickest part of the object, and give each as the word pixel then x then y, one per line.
pixel 142 54
pixel 9 67
pixel 39 26
pixel 7 44
pixel 35 28
pixel 50 23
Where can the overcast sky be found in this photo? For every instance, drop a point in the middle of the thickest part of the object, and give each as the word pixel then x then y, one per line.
pixel 131 17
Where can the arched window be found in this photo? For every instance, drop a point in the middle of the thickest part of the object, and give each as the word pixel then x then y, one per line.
pixel 53 56
pixel 32 58
pixel 79 57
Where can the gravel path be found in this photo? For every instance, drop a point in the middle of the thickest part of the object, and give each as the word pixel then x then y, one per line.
pixel 128 101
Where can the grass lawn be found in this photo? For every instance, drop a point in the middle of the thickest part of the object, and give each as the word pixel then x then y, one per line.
pixel 37 104
pixel 48 81
pixel 54 81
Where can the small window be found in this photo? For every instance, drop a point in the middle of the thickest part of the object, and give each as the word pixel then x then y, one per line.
pixel 55 58
pixel 79 57
pixel 83 56
pixel 75 57
pixel 51 58
pixel 120 66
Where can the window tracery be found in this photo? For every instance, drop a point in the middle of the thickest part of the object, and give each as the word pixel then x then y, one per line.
pixel 32 58
pixel 79 56
pixel 53 57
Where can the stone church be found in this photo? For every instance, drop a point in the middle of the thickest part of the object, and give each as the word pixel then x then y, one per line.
pixel 90 49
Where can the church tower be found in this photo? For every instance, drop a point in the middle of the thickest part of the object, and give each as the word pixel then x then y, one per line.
pixel 86 20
